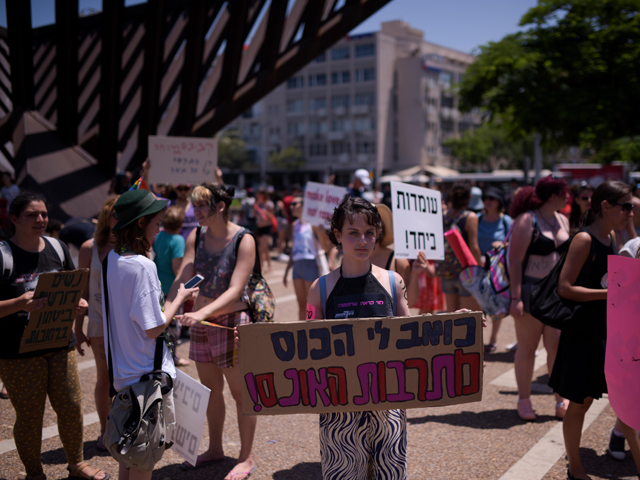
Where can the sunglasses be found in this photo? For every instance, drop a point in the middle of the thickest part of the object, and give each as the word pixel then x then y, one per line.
pixel 585 199
pixel 182 189
pixel 295 204
pixel 484 199
pixel 626 206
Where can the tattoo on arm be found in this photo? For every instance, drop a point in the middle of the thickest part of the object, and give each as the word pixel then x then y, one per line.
pixel 404 289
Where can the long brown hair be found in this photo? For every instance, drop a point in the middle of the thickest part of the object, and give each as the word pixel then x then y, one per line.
pixel 103 230
pixel 132 237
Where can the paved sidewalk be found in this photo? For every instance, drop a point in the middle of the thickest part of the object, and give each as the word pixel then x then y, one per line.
pixel 484 440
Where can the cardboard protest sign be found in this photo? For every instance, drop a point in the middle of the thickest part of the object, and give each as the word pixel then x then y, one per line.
pixel 319 202
pixel 622 360
pixel 191 399
pixel 183 160
pixel 361 364
pixel 417 221
pixel 51 326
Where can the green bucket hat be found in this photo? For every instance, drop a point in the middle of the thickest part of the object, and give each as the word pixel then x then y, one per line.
pixel 135 204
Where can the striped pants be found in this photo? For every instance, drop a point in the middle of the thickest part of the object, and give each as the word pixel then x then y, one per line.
pixel 364 445
pixel 28 382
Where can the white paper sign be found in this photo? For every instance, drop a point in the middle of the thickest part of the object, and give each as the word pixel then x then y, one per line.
pixel 191 399
pixel 183 160
pixel 417 221
pixel 319 202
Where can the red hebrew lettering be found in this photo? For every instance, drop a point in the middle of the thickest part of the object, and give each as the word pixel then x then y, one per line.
pixel 340 396
pixel 473 360
pixel 270 399
pixel 382 381
pixel 304 387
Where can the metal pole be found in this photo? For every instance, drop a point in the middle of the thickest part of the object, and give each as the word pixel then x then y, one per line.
pixel 537 157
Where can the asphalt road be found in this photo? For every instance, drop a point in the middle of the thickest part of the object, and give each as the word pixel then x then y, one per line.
pixel 484 440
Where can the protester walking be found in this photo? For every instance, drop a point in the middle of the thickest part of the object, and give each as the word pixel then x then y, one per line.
pixel 493 227
pixel 224 254
pixel 92 253
pixel 32 377
pixel 372 444
pixel 264 210
pixel 308 240
pixel 457 216
pixel 582 193
pixel 540 235
pixel 135 318
pixel 578 372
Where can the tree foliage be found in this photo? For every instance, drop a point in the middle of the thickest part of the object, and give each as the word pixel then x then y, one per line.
pixel 573 75
pixel 489 147
pixel 290 158
pixel 232 151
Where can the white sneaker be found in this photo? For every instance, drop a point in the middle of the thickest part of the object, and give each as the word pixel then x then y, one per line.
pixel 283 257
pixel 512 347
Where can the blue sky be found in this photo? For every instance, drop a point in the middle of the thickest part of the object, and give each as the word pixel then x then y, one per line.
pixel 459 24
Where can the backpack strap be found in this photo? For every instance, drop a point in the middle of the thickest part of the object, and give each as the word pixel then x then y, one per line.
pixel 257 265
pixel 6 260
pixel 394 292
pixel 323 294
pixel 57 246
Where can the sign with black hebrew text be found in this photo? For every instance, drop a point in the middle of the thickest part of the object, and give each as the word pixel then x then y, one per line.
pixel 417 221
pixel 183 160
pixel 51 325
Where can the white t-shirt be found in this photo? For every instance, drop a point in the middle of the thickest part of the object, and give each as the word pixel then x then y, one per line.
pixel 134 308
pixel 631 247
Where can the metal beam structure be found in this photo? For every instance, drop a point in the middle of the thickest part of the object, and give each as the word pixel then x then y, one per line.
pixel 169 67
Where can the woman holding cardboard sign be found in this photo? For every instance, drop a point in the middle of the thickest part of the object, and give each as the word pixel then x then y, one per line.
pixel 31 377
pixel 353 442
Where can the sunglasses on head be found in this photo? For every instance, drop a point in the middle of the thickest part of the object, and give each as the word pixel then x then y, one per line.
pixel 626 206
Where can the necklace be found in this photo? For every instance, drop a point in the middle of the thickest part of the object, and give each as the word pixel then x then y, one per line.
pixel 551 226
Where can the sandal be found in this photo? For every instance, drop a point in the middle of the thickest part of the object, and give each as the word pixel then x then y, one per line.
pixel 561 409
pixel 246 474
pixel 525 410
pixel 77 473
pixel 490 348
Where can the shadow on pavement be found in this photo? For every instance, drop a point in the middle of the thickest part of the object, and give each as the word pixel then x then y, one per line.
pixel 602 465
pixel 58 457
pixel 215 471
pixel 502 357
pixel 308 471
pixel 488 420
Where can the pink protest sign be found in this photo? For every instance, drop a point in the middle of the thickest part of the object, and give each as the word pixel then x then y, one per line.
pixel 622 361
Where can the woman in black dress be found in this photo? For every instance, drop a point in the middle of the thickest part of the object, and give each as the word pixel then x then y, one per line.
pixel 578 372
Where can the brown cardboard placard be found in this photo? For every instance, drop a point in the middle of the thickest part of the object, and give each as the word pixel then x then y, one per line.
pixel 361 364
pixel 51 326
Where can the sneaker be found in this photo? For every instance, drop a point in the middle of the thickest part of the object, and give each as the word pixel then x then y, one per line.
pixel 283 257
pixel 616 446
pixel 512 347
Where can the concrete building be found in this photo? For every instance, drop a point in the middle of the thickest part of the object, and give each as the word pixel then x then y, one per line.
pixel 383 101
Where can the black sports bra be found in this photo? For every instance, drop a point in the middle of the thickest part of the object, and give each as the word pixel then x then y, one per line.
pixel 541 244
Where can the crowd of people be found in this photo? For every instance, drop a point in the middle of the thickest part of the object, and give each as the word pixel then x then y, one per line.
pixel 148 244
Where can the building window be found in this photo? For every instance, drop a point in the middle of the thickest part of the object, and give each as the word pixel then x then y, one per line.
pixel 341 125
pixel 432 102
pixel 340 101
pixel 367 50
pixel 295 82
pixel 295 129
pixel 365 99
pixel 321 58
pixel 338 148
pixel 431 126
pixel 446 102
pixel 273 109
pixel 338 78
pixel 464 126
pixel 317 103
pixel 432 77
pixel 340 53
pixel 318 127
pixel 295 105
pixel 445 78
pixel 365 74
pixel 364 123
pixel 317 149
pixel 318 80
pixel 446 126
pixel 365 147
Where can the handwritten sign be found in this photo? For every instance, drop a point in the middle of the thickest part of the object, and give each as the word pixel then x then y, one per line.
pixel 51 326
pixel 622 359
pixel 191 399
pixel 183 160
pixel 361 364
pixel 417 221
pixel 319 202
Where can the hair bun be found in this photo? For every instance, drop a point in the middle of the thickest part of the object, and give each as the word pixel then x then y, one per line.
pixel 231 190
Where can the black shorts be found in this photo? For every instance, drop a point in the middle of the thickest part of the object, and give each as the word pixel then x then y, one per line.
pixel 260 231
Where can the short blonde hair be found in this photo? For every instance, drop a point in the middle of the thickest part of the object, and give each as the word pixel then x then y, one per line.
pixel 214 193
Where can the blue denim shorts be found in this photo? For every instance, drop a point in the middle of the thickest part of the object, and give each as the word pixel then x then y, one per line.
pixel 306 270
pixel 453 286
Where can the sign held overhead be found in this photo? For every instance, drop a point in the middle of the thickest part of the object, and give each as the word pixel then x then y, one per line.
pixel 319 202
pixel 183 160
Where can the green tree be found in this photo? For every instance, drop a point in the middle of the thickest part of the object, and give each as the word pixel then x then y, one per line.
pixel 232 151
pixel 489 147
pixel 573 75
pixel 289 158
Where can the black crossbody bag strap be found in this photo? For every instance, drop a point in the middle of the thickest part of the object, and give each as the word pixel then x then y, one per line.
pixel 157 358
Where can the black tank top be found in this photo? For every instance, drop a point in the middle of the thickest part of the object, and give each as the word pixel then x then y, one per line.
pixel 359 297
pixel 543 245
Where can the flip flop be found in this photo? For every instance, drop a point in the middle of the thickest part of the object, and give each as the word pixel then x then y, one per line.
pixel 187 467
pixel 247 474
